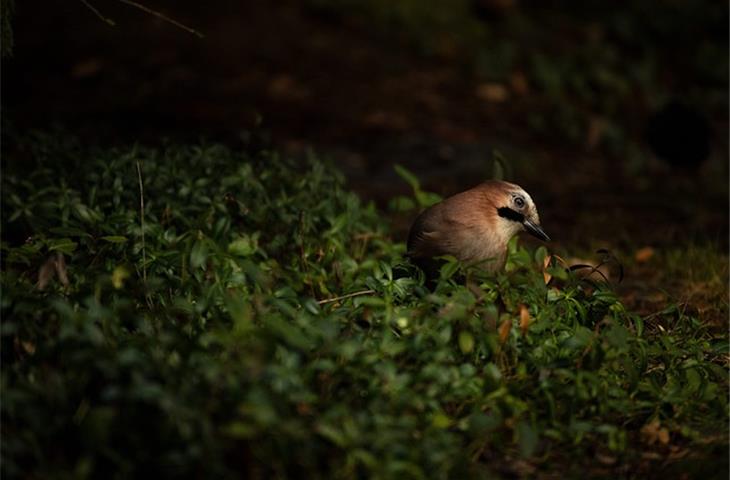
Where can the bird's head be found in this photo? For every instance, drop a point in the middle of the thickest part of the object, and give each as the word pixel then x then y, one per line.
pixel 515 210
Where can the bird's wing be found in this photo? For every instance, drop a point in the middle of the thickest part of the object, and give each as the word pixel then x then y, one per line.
pixel 432 233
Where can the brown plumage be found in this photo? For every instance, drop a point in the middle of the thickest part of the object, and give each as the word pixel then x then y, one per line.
pixel 474 226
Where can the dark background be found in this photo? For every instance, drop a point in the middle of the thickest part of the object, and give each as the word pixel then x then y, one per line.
pixel 580 97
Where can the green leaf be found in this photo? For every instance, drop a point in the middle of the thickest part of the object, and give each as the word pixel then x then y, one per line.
pixel 694 380
pixel 528 438
pixel 114 239
pixel 449 268
pixel 466 341
pixel 580 339
pixel 198 255
pixel 119 275
pixel 290 333
pixel 87 214
pixel 401 204
pixel 493 371
pixel 244 246
pixel 240 429
pixel 408 176
pixel 441 420
pixel 540 254
pixel 617 336
pixel 63 245
pixel 331 433
pixel 498 165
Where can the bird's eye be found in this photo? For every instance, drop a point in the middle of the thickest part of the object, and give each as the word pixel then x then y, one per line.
pixel 520 202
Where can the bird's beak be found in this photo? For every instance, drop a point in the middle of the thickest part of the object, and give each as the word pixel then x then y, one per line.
pixel 535 230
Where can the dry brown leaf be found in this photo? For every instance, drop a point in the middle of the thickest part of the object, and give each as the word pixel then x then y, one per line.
pixel 643 255
pixel 54 265
pixel 28 347
pixel 524 319
pixel 561 260
pixel 545 264
pixel 676 453
pixel 523 467
pixel 87 68
pixel 286 87
pixel 655 297
pixel 596 128
pixel 387 120
pixel 651 456
pixel 519 84
pixel 504 330
pixel 23 347
pixel 61 271
pixel 492 92
pixel 46 273
pixel 653 432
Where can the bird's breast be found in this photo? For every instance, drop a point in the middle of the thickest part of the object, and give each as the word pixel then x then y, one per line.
pixel 479 244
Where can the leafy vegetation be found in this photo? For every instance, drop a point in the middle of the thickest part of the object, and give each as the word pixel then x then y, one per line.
pixel 209 335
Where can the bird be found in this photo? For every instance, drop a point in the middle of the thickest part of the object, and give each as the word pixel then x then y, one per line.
pixel 473 226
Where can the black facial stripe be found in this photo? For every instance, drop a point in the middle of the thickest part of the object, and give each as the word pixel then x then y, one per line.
pixel 510 214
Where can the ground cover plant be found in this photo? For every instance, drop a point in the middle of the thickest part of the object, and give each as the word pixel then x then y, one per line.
pixel 204 311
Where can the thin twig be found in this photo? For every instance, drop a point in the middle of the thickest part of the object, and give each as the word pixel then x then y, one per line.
pixel 349 295
pixel 98 13
pixel 146 10
pixel 141 217
pixel 162 16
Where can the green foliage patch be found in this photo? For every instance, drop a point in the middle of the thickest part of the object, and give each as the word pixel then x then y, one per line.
pixel 208 338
